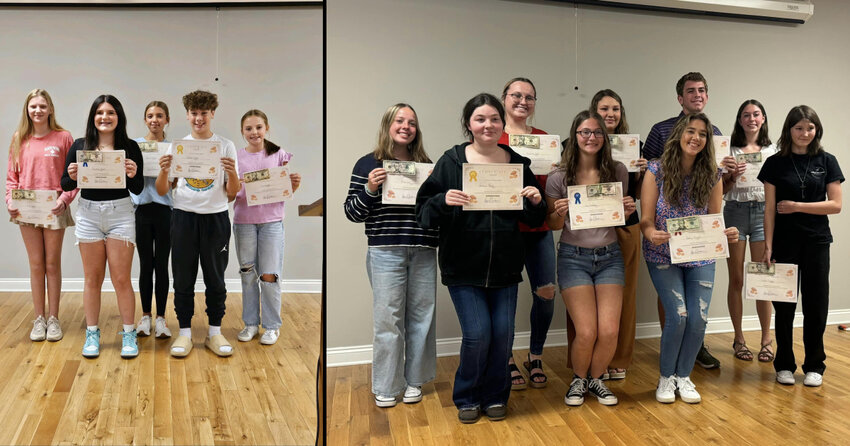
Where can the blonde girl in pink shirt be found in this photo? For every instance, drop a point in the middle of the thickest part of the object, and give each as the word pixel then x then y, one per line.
pixel 36 161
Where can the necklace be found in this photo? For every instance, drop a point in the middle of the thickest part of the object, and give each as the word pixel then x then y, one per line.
pixel 803 178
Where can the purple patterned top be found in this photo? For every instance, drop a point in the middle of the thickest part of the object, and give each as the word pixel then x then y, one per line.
pixel 663 210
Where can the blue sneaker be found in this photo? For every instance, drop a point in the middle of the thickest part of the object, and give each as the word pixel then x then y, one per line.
pixel 129 347
pixel 91 349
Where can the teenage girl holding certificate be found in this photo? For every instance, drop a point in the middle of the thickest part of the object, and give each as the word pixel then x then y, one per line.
pixel 590 263
pixel 36 156
pixel 106 223
pixel 683 182
pixel 481 255
pixel 519 98
pixel 259 234
pixel 802 185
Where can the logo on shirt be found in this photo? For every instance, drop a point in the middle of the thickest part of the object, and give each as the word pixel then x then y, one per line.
pixel 199 185
pixel 51 151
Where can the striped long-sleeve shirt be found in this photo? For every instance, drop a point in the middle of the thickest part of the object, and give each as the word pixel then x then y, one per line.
pixel 390 225
pixel 653 147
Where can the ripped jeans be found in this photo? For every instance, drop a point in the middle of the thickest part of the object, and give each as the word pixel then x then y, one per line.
pixel 685 294
pixel 259 248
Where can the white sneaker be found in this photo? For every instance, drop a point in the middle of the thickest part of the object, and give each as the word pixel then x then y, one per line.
pixel 269 337
pixel 385 401
pixel 143 328
pixel 413 394
pixel 687 391
pixel 813 379
pixel 666 391
pixel 785 377
pixel 161 330
pixel 39 329
pixel 54 330
pixel 248 333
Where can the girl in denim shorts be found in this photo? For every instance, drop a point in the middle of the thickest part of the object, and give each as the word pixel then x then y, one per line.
pixel 590 263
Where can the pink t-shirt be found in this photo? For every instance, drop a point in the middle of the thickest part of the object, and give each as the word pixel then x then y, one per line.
pixel 263 213
pixel 40 165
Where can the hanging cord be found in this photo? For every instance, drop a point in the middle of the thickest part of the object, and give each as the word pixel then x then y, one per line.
pixel 576 49
pixel 217 39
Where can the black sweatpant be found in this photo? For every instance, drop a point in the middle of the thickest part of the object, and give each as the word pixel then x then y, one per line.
pixel 203 237
pixel 813 261
pixel 153 241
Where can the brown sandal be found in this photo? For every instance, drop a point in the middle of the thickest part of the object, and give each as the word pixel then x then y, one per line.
pixel 518 381
pixel 742 352
pixel 766 354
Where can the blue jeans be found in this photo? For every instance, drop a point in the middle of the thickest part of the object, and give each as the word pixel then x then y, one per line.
pixel 486 317
pixel 685 294
pixel 259 248
pixel 540 267
pixel 404 290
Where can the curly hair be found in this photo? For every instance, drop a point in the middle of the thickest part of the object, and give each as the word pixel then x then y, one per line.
pixel 703 174
pixel 200 100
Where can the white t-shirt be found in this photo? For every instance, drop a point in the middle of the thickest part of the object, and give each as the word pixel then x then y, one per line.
pixel 204 196
pixel 755 193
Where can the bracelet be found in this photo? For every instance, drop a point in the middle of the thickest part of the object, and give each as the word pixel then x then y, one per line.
pixel 371 194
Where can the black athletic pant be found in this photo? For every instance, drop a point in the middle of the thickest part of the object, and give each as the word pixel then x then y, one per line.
pixel 203 237
pixel 813 261
pixel 153 241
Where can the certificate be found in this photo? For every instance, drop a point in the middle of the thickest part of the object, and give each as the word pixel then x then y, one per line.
pixel 195 159
pixel 265 186
pixel 492 187
pixel 750 176
pixel 402 188
pixel 544 151
pixel 698 237
pixel 776 282
pixel 35 205
pixel 722 149
pixel 626 149
pixel 151 152
pixel 596 205
pixel 98 169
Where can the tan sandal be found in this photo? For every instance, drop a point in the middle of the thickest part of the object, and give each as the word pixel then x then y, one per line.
pixel 766 354
pixel 741 351
pixel 183 342
pixel 215 343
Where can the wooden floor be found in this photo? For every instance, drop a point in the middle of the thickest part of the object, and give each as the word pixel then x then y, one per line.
pixel 741 404
pixel 50 394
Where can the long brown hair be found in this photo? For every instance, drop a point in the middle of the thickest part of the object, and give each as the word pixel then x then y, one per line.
pixel 623 125
pixel 570 155
pixel 384 147
pixel 703 173
pixel 739 137
pixel 25 127
pixel 270 147
pixel 796 115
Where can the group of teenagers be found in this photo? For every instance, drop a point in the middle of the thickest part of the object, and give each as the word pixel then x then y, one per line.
pixel 482 253
pixel 185 218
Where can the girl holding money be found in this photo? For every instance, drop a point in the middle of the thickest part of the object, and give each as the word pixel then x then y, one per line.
pixel 481 255
pixel 259 234
pixel 744 209
pixel 590 262
pixel 36 155
pixel 106 224
pixel 519 97
pixel 401 263
pixel 802 186
pixel 153 232
pixel 684 182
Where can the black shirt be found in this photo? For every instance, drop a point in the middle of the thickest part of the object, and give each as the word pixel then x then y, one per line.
pixel 785 174
pixel 134 185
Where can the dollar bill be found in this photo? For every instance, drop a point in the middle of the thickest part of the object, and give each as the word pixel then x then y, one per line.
pixel 257 175
pixel 692 223
pixel 761 268
pixel 89 156
pixel 749 158
pixel 149 146
pixel 594 190
pixel 400 167
pixel 22 194
pixel 528 141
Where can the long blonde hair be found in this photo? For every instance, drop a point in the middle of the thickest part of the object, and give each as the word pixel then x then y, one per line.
pixel 384 148
pixel 703 173
pixel 25 127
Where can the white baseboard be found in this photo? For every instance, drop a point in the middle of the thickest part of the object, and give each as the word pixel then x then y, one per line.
pixel 362 354
pixel 76 285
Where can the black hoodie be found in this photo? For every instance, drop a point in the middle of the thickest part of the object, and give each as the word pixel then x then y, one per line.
pixel 478 248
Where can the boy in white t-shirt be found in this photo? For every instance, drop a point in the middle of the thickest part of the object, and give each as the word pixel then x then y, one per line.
pixel 200 228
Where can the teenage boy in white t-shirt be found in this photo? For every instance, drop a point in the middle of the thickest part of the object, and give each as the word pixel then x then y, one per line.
pixel 200 229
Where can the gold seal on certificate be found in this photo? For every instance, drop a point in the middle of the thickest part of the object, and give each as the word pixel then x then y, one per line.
pixel 492 187
pixel 722 149
pixel 697 237
pixel 596 205
pixel 100 169
pixel 626 149
pixel 195 159
pixel 151 152
pixel 544 151
pixel 35 206
pixel 401 187
pixel 750 176
pixel 775 282
pixel 265 186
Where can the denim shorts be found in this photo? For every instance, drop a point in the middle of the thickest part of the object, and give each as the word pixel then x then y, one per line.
pixel 748 217
pixel 590 266
pixel 99 220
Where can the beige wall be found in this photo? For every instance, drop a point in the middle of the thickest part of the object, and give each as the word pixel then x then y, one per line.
pixel 437 54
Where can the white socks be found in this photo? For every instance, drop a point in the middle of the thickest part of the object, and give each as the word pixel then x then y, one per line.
pixel 186 332
pixel 91 327
pixel 215 330
pixel 129 327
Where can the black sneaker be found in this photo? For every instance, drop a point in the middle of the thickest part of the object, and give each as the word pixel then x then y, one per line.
pixel 469 415
pixel 705 360
pixel 496 412
pixel 578 387
pixel 598 389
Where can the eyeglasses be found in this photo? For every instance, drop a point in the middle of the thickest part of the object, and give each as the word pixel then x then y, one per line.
pixel 518 97
pixel 587 132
